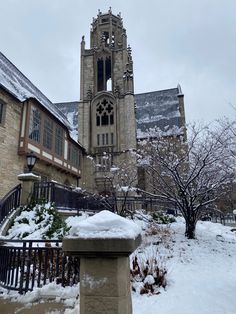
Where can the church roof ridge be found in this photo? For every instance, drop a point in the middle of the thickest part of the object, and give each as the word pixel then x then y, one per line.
pixel 158 91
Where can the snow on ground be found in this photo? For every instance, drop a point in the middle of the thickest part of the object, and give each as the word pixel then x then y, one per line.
pixel 201 276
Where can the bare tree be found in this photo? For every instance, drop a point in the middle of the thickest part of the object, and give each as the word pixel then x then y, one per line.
pixel 117 179
pixel 190 174
pixel 120 178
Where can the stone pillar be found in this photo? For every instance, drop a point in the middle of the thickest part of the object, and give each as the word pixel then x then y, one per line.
pixel 28 180
pixel 104 273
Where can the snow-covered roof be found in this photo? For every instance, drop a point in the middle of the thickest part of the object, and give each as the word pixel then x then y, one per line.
pixel 70 110
pixel 12 80
pixel 157 109
pixel 154 109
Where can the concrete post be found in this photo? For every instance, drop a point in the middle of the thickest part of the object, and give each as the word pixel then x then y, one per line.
pixel 28 180
pixel 104 273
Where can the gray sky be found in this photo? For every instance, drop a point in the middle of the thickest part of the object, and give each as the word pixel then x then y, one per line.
pixel 191 42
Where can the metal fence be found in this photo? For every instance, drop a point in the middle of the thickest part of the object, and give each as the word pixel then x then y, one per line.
pixel 25 264
pixel 10 202
pixel 65 197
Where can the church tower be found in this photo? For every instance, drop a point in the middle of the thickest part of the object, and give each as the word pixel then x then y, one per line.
pixel 107 121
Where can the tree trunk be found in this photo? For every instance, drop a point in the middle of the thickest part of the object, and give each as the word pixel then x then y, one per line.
pixel 190 229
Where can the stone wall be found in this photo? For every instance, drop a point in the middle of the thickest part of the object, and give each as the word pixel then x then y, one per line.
pixel 11 164
pixel 87 180
pixel 84 124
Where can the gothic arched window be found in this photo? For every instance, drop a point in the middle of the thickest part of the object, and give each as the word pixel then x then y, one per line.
pixel 104 113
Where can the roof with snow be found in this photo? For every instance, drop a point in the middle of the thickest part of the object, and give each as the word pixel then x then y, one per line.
pixel 157 109
pixel 18 85
pixel 70 110
pixel 154 109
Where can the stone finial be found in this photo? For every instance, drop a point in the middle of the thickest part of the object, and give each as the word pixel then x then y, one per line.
pixel 129 50
pixel 89 93
pixel 179 90
pixel 117 91
pixel 110 11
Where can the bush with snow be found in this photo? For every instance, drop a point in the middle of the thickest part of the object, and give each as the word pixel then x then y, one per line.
pixel 147 274
pixel 162 218
pixel 38 221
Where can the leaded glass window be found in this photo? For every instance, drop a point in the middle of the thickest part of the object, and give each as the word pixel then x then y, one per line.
pixel 59 141
pixel 35 124
pixel 48 133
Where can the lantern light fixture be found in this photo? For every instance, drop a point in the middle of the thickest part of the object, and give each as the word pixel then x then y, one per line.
pixel 31 160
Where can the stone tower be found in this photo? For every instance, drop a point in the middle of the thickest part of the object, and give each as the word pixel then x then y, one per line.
pixel 107 121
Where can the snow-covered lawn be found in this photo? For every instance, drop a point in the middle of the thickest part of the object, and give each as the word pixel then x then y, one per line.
pixel 201 276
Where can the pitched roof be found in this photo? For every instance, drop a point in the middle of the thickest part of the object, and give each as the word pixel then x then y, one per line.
pixel 157 109
pixel 12 80
pixel 70 110
pixel 154 109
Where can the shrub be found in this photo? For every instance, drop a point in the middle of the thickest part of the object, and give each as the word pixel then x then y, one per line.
pixel 148 273
pixel 162 218
pixel 42 219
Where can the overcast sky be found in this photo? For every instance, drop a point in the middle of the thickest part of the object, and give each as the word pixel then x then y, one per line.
pixel 191 42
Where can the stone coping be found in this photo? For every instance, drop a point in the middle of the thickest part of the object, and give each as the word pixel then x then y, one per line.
pixel 109 247
pixel 28 177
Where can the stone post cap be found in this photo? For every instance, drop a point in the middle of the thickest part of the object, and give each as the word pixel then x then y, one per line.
pixel 104 234
pixel 28 177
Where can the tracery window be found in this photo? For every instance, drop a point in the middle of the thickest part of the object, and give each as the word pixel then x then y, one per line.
pixel 104 113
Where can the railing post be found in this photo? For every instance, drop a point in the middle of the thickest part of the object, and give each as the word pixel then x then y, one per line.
pixel 28 180
pixel 104 267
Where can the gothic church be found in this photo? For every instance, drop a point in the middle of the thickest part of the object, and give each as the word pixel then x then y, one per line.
pixel 109 117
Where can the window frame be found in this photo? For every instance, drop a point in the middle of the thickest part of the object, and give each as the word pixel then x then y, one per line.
pixel 2 113
pixel 35 124
pixel 48 133
pixel 59 141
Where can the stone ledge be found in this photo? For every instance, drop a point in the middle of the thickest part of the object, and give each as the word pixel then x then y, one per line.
pixel 28 177
pixel 110 247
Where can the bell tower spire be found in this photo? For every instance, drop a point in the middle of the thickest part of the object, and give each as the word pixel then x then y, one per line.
pixel 106 113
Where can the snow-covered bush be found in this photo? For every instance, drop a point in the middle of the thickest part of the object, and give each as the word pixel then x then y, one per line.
pixel 38 221
pixel 148 273
pixel 162 218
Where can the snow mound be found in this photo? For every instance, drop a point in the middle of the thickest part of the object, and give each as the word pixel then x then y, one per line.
pixel 105 225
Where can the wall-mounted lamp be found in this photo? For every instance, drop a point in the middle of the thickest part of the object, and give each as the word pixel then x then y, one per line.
pixel 31 160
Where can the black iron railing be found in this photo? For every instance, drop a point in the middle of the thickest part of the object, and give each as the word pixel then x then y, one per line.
pixel 68 198
pixel 25 264
pixel 10 202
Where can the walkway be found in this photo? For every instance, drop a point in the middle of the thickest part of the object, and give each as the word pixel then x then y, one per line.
pixel 7 307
